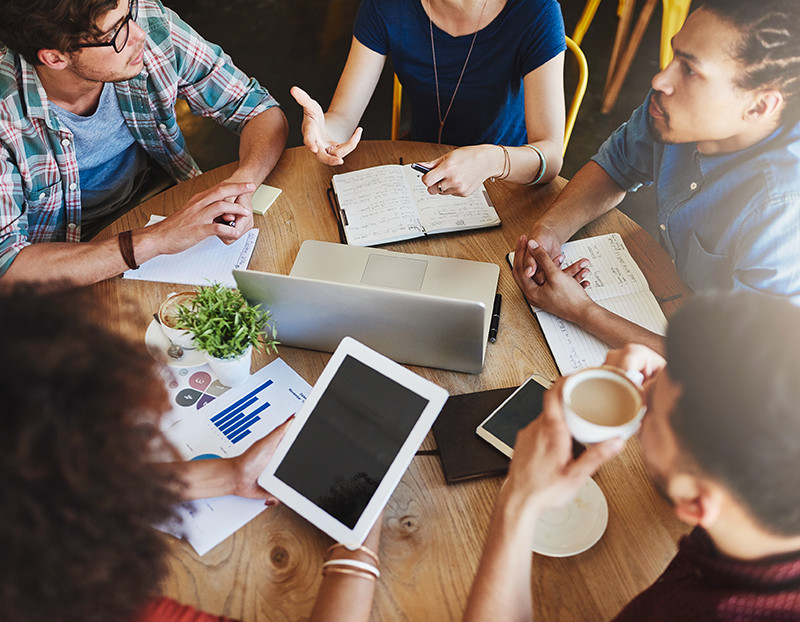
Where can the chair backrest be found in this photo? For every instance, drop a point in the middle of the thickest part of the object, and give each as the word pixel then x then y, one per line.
pixel 572 113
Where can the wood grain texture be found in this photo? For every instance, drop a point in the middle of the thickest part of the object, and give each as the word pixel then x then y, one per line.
pixel 433 533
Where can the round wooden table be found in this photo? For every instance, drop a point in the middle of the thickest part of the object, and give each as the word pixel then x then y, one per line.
pixel 432 533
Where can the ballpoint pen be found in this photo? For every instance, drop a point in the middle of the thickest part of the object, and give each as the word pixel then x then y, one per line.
pixel 495 322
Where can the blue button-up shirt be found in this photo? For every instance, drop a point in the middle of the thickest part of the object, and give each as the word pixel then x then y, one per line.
pixel 729 221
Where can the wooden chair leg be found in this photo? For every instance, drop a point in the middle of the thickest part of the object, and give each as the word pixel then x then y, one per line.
pixel 623 28
pixel 612 92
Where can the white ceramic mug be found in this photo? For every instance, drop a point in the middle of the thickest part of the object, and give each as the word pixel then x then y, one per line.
pixel 167 314
pixel 601 403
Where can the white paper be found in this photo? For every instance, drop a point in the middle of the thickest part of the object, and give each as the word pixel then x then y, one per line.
pixel 617 284
pixel 207 261
pixel 209 420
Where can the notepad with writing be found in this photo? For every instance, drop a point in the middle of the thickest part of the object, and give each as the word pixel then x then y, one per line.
pixel 390 203
pixel 617 284
pixel 208 261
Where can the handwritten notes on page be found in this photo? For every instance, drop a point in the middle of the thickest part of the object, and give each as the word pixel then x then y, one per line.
pixel 617 284
pixel 210 260
pixel 390 203
pixel 209 420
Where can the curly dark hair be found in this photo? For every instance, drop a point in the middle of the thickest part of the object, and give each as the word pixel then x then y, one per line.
pixel 737 358
pixel 78 491
pixel 769 49
pixel 27 26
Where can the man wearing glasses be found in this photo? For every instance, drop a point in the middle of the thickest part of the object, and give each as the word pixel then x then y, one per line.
pixel 88 127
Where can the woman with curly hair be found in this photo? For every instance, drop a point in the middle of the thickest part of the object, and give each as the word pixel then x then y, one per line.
pixel 82 477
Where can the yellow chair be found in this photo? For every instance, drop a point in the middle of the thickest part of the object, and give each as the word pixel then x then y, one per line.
pixel 674 13
pixel 572 113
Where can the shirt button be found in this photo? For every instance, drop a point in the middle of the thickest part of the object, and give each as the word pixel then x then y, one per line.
pixel 693 185
pixel 65 142
pixel 73 185
pixel 42 196
pixel 162 127
pixel 663 227
pixel 72 226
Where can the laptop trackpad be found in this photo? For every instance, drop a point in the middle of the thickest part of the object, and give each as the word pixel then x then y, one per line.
pixel 395 272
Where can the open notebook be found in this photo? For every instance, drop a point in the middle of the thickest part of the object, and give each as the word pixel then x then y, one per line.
pixel 617 284
pixel 390 203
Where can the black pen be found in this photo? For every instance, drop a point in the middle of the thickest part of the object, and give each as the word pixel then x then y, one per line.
pixel 494 324
pixel 420 168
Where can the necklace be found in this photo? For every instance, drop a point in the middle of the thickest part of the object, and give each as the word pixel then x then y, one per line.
pixel 442 119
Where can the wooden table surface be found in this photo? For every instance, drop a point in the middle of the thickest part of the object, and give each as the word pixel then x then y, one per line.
pixel 432 533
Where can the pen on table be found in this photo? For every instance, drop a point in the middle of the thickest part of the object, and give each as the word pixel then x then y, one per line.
pixel 495 322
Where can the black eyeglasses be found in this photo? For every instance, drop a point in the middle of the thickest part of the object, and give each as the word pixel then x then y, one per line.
pixel 120 37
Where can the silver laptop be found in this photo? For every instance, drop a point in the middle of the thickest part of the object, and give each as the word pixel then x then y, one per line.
pixel 415 309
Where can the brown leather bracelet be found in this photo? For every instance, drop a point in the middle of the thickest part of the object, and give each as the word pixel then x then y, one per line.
pixel 125 240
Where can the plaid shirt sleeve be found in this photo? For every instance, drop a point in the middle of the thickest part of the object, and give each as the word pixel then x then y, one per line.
pixel 13 229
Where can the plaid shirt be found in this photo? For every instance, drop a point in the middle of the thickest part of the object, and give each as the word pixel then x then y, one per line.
pixel 40 197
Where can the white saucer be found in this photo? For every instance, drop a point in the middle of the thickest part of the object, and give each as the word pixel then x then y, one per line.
pixel 575 528
pixel 156 343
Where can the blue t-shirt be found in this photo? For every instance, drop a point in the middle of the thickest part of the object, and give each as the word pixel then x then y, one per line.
pixel 730 221
pixel 110 161
pixel 490 104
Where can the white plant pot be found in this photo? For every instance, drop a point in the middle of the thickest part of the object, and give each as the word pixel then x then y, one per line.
pixel 232 372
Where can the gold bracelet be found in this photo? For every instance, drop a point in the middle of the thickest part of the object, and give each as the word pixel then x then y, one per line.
pixel 506 165
pixel 356 573
pixel 368 552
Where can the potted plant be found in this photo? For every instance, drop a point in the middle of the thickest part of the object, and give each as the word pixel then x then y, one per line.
pixel 227 328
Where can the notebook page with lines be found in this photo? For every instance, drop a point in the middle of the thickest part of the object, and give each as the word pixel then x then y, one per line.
pixel 617 284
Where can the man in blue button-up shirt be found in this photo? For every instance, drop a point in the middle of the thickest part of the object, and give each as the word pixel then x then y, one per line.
pixel 718 136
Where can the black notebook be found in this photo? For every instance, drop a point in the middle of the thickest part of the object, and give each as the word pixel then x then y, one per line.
pixel 463 453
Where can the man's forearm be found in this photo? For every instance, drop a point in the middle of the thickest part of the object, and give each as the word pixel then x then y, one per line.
pixel 589 194
pixel 66 264
pixel 261 145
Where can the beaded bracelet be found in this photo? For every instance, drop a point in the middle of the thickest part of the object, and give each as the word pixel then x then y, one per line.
pixel 542 164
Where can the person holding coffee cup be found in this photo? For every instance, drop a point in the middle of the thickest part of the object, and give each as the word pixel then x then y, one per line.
pixel 720 442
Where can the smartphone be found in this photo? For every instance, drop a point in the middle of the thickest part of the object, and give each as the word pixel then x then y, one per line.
pixel 523 406
pixel 420 168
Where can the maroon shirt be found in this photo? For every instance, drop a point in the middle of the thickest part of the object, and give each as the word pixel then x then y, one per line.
pixel 702 584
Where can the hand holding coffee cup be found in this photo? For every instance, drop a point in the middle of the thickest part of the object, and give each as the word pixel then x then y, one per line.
pixel 601 403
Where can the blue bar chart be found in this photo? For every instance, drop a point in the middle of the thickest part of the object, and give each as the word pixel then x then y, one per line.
pixel 236 420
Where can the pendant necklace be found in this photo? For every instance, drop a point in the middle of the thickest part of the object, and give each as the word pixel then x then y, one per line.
pixel 442 119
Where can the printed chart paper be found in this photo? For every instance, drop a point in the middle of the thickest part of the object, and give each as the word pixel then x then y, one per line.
pixel 209 420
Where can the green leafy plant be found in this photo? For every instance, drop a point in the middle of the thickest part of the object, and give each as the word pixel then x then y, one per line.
pixel 224 324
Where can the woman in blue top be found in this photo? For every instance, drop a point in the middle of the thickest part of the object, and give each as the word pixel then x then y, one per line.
pixel 486 75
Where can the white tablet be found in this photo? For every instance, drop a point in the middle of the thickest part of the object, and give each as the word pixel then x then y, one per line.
pixel 352 440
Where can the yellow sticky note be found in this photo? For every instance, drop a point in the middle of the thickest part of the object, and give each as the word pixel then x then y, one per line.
pixel 263 197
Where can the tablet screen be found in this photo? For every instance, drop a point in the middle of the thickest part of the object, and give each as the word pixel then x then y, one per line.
pixel 350 439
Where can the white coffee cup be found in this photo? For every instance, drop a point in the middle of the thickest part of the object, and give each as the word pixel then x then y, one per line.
pixel 601 403
pixel 167 315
